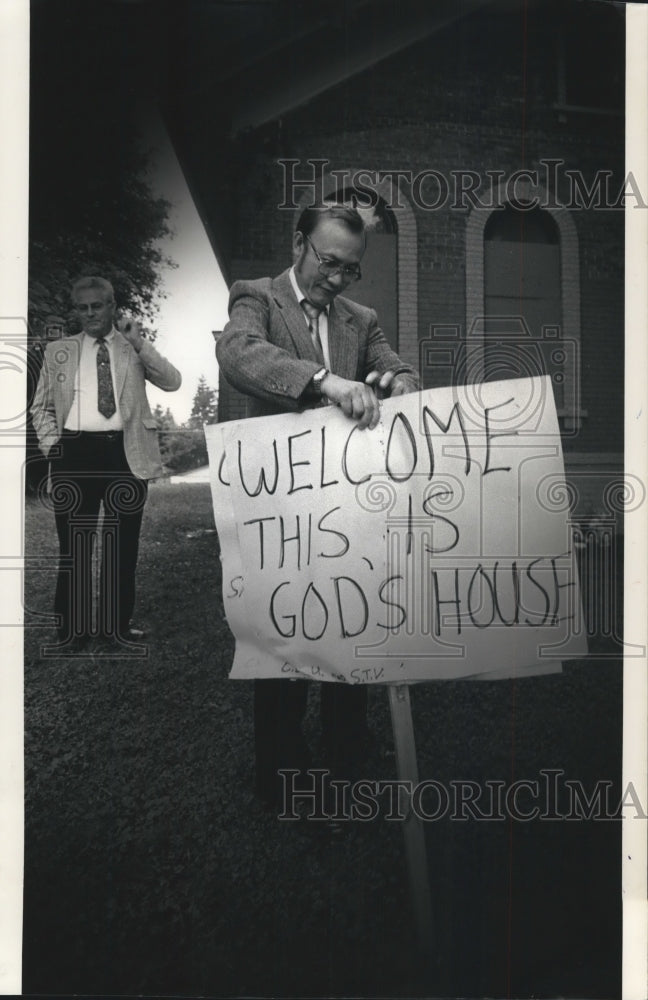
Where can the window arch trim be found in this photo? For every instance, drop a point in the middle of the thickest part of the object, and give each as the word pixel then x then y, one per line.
pixel 569 289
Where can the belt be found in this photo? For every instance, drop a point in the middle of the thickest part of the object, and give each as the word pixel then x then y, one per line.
pixel 95 435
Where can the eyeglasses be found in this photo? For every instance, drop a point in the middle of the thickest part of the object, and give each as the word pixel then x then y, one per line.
pixel 330 268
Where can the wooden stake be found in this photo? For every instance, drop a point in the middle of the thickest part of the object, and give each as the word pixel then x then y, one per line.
pixel 413 831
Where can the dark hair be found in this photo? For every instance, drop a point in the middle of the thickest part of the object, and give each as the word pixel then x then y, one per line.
pixel 310 217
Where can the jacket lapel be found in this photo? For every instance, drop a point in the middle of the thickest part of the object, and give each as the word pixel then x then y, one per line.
pixel 343 341
pixel 122 361
pixel 67 355
pixel 293 316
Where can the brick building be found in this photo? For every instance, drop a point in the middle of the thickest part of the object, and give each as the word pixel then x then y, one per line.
pixel 486 140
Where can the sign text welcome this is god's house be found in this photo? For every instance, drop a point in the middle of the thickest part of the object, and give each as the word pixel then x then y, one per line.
pixel 435 546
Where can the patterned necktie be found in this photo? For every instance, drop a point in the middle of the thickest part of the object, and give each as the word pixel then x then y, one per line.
pixel 105 394
pixel 313 315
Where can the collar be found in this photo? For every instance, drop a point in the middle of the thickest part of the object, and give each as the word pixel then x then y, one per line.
pixel 108 339
pixel 299 295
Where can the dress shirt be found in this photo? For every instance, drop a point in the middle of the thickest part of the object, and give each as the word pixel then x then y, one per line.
pixel 323 319
pixel 84 413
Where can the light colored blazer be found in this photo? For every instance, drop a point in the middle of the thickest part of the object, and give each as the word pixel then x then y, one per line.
pixel 55 392
pixel 266 351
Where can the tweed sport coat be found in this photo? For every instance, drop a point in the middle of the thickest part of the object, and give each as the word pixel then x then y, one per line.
pixel 55 392
pixel 266 351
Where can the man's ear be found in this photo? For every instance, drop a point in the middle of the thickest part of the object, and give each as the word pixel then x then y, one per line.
pixel 297 246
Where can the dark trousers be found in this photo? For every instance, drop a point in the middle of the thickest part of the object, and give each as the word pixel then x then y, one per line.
pixel 92 470
pixel 279 709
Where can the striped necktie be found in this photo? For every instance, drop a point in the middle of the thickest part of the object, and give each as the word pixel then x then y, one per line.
pixel 313 315
pixel 105 393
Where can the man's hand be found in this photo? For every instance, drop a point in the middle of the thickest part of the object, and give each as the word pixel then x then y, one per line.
pixel 356 399
pixel 130 329
pixel 387 384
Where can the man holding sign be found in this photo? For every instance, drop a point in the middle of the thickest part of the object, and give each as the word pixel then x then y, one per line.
pixel 292 343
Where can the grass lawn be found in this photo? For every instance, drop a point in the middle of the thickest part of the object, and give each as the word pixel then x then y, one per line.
pixel 150 868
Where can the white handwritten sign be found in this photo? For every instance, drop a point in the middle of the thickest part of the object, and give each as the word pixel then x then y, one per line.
pixel 435 546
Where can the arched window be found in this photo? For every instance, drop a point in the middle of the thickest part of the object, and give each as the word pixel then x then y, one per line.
pixel 522 283
pixel 523 296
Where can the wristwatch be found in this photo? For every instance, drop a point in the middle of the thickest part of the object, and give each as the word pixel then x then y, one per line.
pixel 317 380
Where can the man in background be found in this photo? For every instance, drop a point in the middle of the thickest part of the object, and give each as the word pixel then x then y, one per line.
pixel 93 422
pixel 294 342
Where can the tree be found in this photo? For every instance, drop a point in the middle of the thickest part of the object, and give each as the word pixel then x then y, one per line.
pixel 182 448
pixel 164 418
pixel 92 208
pixel 205 405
